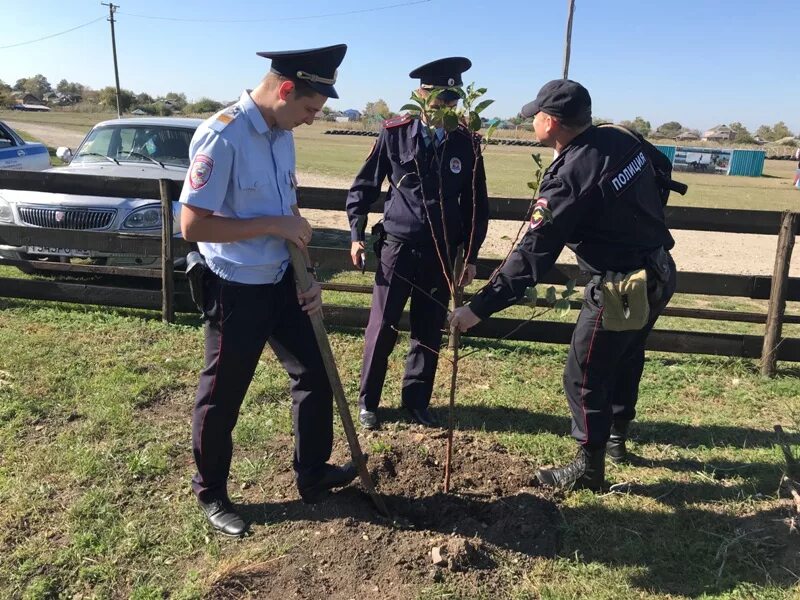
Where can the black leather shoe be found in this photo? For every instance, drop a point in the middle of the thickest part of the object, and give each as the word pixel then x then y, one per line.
pixel 315 488
pixel 369 419
pixel 422 416
pixel 224 518
pixel 586 471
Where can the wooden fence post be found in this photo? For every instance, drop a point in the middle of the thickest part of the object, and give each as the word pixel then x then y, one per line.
pixel 777 296
pixel 167 263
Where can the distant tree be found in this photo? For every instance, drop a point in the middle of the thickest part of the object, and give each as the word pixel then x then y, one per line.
pixel 36 85
pixel 108 97
pixel 178 100
pixel 669 129
pixel 143 99
pixel 159 108
pixel 204 105
pixel 766 132
pixel 780 130
pixel 90 96
pixel 741 133
pixel 326 110
pixel 639 125
pixel 67 87
pixel 601 120
pixel 377 110
pixel 5 94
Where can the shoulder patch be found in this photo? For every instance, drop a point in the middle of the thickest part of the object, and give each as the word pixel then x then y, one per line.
pixel 223 118
pixel 398 121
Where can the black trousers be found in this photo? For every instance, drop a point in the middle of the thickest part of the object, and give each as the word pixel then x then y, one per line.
pixel 400 263
pixel 603 370
pixel 241 320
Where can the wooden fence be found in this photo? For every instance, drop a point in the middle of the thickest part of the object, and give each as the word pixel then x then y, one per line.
pixel 173 295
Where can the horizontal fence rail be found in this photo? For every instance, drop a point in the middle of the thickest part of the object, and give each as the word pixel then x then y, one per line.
pixel 682 342
pixel 503 209
pixel 338 259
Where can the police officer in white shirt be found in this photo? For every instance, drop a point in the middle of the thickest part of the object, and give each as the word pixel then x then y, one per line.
pixel 239 203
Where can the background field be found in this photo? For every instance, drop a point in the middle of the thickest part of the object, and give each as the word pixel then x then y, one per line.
pixel 334 160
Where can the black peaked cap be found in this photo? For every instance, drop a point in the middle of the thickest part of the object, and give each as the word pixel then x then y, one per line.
pixel 315 66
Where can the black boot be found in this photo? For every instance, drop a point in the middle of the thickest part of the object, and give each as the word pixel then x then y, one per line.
pixel 615 447
pixel 586 471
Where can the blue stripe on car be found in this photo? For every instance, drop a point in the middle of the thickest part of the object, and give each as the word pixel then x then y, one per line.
pixel 29 151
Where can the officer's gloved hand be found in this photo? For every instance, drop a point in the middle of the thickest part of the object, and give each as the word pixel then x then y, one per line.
pixel 462 318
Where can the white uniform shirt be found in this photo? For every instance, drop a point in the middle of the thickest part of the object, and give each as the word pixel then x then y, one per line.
pixel 240 168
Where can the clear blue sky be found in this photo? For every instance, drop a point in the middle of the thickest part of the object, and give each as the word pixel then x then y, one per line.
pixel 700 62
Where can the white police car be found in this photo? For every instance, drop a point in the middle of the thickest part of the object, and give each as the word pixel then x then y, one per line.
pixel 16 153
pixel 151 148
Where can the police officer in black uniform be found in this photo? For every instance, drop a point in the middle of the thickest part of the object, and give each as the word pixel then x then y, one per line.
pixel 415 239
pixel 239 203
pixel 607 205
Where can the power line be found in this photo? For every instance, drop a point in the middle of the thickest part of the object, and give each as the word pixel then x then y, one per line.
pixel 47 37
pixel 273 19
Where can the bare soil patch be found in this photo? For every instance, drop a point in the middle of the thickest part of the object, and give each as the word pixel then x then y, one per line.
pixel 482 535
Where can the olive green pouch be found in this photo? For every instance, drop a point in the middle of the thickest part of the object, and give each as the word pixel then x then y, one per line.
pixel 625 304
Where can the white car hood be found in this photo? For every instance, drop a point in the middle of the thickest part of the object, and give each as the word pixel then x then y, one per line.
pixel 143 171
pixel 124 169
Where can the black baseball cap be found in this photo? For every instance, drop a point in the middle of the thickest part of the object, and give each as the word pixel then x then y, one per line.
pixel 442 73
pixel 316 66
pixel 562 98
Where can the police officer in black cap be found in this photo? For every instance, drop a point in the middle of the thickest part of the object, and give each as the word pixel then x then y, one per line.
pixel 425 172
pixel 239 203
pixel 607 205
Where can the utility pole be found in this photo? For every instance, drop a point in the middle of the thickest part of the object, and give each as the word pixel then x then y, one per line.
pixel 568 40
pixel 111 9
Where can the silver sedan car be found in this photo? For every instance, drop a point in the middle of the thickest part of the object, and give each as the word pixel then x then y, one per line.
pixel 152 148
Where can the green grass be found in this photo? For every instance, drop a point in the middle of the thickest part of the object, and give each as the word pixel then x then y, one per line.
pixel 74 121
pixel 96 458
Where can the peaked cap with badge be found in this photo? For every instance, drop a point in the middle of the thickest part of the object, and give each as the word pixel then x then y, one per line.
pixel 315 66
pixel 442 73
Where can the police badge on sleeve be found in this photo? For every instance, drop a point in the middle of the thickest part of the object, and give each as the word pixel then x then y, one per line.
pixel 455 165
pixel 200 172
pixel 541 213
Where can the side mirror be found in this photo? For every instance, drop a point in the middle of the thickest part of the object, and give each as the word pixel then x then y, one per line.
pixel 64 153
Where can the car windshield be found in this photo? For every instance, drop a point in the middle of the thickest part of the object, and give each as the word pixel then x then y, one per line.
pixel 137 143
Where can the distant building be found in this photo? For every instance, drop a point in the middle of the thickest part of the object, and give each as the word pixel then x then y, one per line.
pixel 720 133
pixel 352 114
pixel 686 136
pixel 31 107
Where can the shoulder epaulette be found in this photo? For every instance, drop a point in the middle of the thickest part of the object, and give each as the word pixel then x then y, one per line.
pixel 223 118
pixel 466 131
pixel 398 121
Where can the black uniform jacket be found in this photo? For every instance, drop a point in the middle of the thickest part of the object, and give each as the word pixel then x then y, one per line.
pixel 606 207
pixel 416 178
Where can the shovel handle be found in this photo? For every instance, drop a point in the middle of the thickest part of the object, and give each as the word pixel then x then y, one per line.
pixel 304 282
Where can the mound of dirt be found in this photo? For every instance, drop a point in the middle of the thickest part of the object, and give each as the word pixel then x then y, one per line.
pixel 481 535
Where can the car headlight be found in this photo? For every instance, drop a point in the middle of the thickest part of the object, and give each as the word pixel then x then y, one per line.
pixel 147 217
pixel 6 215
